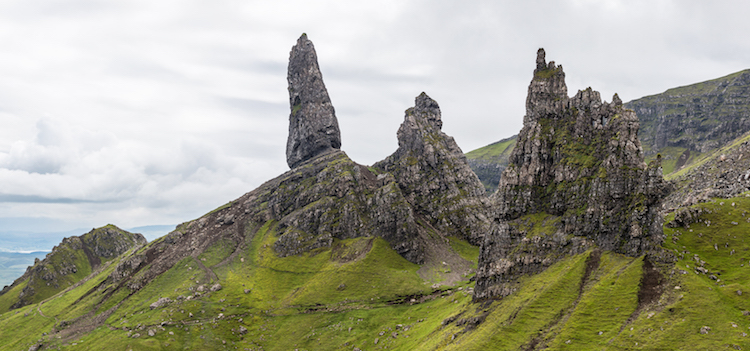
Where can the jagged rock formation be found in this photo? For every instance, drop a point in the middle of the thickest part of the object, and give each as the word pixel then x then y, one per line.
pixel 422 193
pixel 698 118
pixel 73 259
pixel 313 128
pixel 579 161
pixel 433 174
pixel 489 162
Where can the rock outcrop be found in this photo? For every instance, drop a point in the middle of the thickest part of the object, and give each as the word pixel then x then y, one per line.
pixel 434 176
pixel 313 128
pixel 578 165
pixel 71 260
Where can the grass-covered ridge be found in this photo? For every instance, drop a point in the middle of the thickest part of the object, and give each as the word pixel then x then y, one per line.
pixel 699 117
pixel 74 259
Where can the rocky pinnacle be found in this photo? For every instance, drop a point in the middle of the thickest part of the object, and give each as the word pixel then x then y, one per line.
pixel 313 128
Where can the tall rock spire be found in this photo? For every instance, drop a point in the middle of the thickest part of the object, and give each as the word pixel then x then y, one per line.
pixel 313 128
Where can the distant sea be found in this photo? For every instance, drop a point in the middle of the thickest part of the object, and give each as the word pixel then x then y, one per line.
pixel 13 264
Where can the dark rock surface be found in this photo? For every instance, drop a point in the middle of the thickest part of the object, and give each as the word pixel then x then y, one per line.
pixel 86 252
pixel 578 160
pixel 313 128
pixel 434 176
pixel 700 117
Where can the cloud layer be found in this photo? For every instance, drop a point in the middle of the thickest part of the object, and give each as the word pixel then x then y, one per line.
pixel 144 112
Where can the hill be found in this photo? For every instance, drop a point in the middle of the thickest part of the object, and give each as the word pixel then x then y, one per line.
pixel 70 262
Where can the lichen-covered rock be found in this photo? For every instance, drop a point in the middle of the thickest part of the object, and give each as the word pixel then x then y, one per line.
pixel 313 128
pixel 577 159
pixel 161 302
pixel 326 196
pixel 434 176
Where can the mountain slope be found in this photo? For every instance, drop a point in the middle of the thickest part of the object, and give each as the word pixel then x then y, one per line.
pixel 311 301
pixel 74 259
pixel 683 123
pixel 490 161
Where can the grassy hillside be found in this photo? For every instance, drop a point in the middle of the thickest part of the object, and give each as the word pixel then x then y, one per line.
pixel 488 162
pixel 361 294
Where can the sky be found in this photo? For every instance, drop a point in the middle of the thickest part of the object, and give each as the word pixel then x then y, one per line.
pixel 141 113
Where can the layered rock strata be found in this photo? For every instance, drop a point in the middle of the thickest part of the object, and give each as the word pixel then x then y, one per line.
pixel 313 128
pixel 579 165
pixel 434 176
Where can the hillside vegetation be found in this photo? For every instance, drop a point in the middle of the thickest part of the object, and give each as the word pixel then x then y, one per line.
pixel 360 293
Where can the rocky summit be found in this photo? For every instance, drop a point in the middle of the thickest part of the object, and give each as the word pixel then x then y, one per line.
pixel 577 169
pixel 313 128
pixel 433 174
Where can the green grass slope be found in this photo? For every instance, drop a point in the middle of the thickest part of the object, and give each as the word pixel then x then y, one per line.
pixel 359 293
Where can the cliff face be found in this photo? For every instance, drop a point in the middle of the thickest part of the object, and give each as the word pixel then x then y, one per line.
pixel 579 165
pixel 70 261
pixel 434 176
pixel 699 117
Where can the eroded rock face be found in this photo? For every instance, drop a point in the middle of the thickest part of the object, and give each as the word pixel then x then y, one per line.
pixel 313 128
pixel 434 176
pixel 578 160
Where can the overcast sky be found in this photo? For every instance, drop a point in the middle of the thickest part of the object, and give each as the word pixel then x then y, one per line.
pixel 155 112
